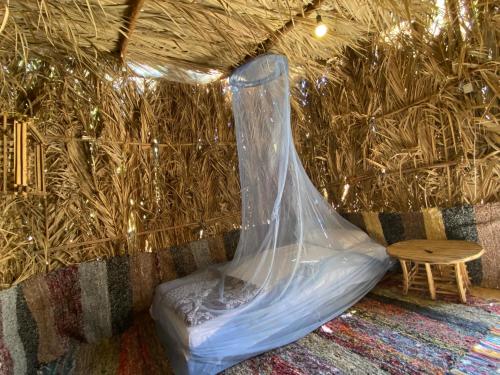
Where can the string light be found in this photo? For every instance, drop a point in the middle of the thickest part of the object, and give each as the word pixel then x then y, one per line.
pixel 304 92
pixel 321 28
pixel 321 83
pixel 156 170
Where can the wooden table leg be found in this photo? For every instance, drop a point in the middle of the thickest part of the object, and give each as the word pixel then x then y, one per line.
pixel 460 282
pixel 406 277
pixel 465 275
pixel 430 281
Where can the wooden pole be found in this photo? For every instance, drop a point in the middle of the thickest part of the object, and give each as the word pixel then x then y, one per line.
pixel 17 155
pixel 5 149
pixel 24 156
pixel 268 43
pixel 130 22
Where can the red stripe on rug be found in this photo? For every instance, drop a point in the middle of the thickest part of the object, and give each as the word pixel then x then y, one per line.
pixel 144 345
pixel 6 363
pixel 282 367
pixel 64 287
pixel 134 356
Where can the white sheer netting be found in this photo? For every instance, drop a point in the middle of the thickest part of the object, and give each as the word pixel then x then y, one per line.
pixel 298 263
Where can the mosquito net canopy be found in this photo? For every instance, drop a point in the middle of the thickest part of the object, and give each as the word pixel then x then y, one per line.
pixel 298 263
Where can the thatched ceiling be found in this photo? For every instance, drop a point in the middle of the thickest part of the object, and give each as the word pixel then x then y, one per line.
pixel 179 38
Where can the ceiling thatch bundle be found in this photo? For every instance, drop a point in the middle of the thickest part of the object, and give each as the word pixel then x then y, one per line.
pixel 198 41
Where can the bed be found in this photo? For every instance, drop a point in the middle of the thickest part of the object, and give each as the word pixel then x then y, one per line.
pixel 200 341
pixel 298 263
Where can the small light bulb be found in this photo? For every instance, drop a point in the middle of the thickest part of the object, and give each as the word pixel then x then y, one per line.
pixel 321 29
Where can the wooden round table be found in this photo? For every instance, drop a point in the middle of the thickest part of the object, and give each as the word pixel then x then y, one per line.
pixel 448 257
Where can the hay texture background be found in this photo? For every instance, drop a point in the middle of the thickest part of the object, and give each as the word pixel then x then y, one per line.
pixel 383 122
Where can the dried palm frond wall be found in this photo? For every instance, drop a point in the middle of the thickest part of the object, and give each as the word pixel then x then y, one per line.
pixel 137 165
pixel 412 122
pixel 131 165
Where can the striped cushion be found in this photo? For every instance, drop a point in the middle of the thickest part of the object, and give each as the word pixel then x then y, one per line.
pixel 43 316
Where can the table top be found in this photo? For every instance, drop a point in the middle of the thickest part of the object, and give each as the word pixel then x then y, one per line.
pixel 436 251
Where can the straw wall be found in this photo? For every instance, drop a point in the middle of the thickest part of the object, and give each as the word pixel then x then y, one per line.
pixel 130 165
pixel 400 133
pixel 137 165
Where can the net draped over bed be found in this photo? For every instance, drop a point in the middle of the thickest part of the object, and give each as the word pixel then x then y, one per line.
pixel 298 263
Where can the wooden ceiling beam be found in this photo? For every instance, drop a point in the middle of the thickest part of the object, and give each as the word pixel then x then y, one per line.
pixel 268 43
pixel 129 24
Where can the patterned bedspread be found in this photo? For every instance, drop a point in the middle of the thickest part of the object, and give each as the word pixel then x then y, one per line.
pixel 199 300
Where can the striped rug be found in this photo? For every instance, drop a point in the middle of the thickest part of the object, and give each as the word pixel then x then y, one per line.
pixel 384 333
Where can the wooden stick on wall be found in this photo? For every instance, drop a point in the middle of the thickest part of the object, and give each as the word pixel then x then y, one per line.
pixel 5 147
pixel 17 154
pixel 24 156
pixel 21 156
pixel 39 142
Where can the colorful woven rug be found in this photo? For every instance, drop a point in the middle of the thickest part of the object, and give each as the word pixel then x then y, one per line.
pixel 384 333
pixel 484 356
